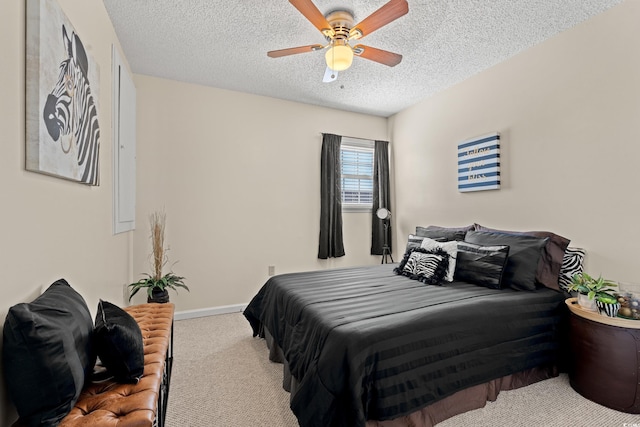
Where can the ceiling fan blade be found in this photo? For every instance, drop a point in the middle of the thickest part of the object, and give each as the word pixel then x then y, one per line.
pixel 329 75
pixel 378 55
pixel 381 17
pixel 294 50
pixel 311 12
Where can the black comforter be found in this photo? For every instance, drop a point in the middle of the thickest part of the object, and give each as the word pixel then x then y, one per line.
pixel 364 343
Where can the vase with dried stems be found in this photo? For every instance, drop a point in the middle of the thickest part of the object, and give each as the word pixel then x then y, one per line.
pixel 157 284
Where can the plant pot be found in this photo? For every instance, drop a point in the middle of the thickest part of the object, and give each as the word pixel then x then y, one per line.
pixel 159 296
pixel 586 303
pixel 610 310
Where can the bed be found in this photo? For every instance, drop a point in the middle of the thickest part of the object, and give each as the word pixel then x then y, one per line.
pixel 368 347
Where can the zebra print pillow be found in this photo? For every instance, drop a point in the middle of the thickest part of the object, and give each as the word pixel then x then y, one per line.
pixel 429 267
pixel 572 264
pixel 449 247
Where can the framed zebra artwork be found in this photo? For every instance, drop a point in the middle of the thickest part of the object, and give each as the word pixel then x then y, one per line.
pixel 479 163
pixel 62 129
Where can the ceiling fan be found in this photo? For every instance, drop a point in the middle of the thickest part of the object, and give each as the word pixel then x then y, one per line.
pixel 339 30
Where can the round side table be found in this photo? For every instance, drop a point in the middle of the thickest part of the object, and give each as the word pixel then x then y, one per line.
pixel 605 358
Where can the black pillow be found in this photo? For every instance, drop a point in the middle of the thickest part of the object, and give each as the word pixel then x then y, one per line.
pixel 524 253
pixel 550 262
pixel 48 353
pixel 414 241
pixel 441 233
pixel 427 266
pixel 481 265
pixel 118 342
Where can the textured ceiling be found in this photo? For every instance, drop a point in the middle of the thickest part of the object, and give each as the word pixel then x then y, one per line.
pixel 224 44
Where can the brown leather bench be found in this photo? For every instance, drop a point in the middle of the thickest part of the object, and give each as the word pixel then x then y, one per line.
pixel 108 403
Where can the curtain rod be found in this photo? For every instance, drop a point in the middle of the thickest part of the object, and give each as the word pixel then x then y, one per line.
pixel 347 136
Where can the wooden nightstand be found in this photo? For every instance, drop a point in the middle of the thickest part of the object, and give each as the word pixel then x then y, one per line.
pixel 605 358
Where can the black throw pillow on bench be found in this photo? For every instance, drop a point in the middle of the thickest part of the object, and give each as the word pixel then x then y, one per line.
pixel 48 354
pixel 118 341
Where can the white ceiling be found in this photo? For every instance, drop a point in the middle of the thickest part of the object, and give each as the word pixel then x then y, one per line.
pixel 224 44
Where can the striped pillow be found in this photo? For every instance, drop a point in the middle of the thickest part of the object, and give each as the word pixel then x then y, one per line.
pixel 572 264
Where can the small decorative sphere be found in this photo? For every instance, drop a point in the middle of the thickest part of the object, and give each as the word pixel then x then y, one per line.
pixel 625 311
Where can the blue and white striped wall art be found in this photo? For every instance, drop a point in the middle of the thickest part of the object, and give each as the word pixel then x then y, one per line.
pixel 479 163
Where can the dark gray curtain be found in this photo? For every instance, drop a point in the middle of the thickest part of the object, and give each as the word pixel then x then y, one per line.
pixel 331 245
pixel 381 196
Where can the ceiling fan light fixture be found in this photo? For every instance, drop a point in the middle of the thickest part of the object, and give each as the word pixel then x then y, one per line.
pixel 339 57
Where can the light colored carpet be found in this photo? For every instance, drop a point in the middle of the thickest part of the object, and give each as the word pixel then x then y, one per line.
pixel 222 377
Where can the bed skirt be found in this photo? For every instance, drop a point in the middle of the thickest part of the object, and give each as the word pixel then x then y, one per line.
pixel 462 401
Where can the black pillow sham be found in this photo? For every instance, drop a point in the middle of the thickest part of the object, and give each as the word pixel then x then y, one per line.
pixel 414 241
pixel 48 354
pixel 427 266
pixel 550 263
pixel 481 265
pixel 522 262
pixel 447 233
pixel 118 342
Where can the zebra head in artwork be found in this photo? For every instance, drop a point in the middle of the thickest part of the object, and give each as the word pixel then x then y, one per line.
pixel 70 113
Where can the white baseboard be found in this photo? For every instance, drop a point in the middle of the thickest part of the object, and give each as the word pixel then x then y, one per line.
pixel 211 311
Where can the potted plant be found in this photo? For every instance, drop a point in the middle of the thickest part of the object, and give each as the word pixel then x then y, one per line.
pixel 591 290
pixel 158 284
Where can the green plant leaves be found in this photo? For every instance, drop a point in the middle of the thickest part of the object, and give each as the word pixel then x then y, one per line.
pixel 593 288
pixel 168 281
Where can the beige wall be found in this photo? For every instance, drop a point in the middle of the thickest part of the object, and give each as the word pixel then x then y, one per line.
pixel 238 174
pixel 49 227
pixel 239 178
pixel 569 114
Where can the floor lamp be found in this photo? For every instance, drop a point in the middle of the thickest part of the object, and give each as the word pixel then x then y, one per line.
pixel 385 215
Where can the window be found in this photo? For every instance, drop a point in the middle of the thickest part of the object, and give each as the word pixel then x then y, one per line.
pixel 356 160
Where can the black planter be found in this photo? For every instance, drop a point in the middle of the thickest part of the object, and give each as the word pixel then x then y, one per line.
pixel 159 296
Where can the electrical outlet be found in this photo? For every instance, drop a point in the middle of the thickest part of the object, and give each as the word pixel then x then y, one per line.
pixel 272 270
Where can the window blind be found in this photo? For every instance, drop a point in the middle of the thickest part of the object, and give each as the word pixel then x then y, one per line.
pixel 356 160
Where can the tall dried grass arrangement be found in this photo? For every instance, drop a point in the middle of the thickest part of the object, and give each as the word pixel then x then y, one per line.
pixel 157 220
pixel 158 258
